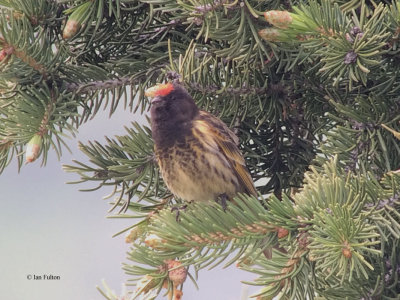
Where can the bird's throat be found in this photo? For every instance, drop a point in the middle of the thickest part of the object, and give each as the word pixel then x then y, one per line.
pixel 167 134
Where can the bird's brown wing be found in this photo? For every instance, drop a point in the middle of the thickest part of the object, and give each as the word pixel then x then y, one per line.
pixel 217 135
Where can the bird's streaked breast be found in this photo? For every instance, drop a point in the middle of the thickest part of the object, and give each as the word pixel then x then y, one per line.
pixel 195 171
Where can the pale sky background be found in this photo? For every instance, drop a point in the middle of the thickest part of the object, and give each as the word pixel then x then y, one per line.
pixel 49 227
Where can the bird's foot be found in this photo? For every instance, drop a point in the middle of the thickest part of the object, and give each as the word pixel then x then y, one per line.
pixel 222 199
pixel 178 209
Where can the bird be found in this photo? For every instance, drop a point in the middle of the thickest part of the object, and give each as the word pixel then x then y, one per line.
pixel 196 152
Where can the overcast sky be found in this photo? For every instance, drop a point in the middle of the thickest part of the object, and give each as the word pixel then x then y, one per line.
pixel 50 228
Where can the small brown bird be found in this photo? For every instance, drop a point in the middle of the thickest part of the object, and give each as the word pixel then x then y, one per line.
pixel 196 152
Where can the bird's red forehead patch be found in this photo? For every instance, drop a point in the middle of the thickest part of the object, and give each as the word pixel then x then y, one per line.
pixel 159 90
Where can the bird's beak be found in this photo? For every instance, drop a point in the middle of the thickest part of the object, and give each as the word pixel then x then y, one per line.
pixel 161 89
pixel 151 92
pixel 158 92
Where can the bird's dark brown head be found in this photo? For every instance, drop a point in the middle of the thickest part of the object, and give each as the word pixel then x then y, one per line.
pixel 172 110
